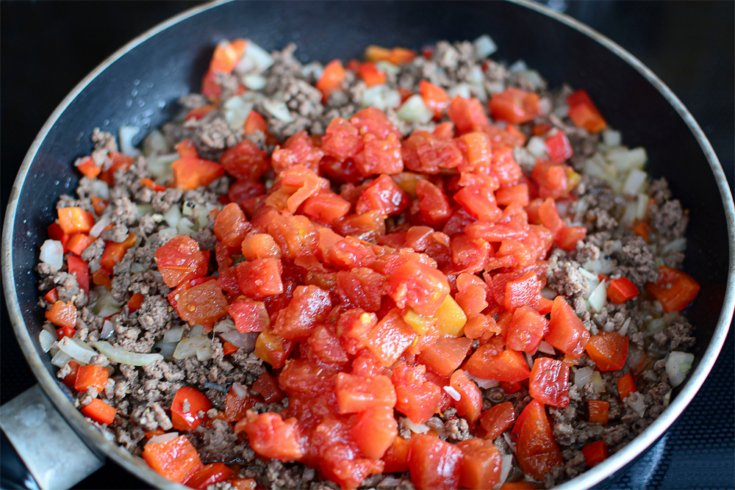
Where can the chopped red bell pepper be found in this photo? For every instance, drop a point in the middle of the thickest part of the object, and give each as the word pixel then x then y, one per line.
pixel 100 411
pixel 584 113
pixel 187 407
pixel 608 350
pixel 626 386
pixel 77 266
pixel 497 419
pixel 91 375
pixel 176 459
pixel 77 242
pixel 621 290
pixel 595 453
pixel 549 382
pixel 75 220
pixel 62 314
pixel 598 411
pixel 559 148
pixel 674 289
pixel 209 475
pixel 331 79
pixel 536 451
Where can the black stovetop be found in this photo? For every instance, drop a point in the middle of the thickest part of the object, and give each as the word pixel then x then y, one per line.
pixel 48 47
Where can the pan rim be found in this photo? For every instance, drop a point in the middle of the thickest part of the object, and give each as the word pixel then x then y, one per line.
pixel 587 479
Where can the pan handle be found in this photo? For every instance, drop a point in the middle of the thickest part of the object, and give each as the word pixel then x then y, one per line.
pixel 52 452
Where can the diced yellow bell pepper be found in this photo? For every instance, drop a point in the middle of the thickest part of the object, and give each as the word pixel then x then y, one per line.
pixel 419 323
pixel 450 317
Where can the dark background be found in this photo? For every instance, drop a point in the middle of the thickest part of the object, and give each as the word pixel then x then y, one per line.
pixel 47 47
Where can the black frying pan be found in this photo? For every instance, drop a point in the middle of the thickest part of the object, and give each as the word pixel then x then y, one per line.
pixel 169 61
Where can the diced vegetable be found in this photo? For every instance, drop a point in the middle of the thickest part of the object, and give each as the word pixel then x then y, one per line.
pixel 678 364
pixel 674 289
pixel 536 451
pixel 598 411
pixel 621 290
pixel 176 459
pixel 595 453
pixel 626 386
pixel 100 411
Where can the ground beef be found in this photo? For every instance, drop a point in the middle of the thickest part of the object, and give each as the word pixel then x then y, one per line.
pixel 220 443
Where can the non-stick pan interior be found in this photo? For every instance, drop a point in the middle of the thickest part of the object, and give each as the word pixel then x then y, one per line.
pixel 141 89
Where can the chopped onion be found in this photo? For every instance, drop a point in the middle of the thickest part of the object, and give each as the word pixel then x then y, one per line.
pixel 313 70
pixel 189 346
pixel 254 82
pixel 278 109
pixel 172 216
pixel 215 386
pixel 612 138
pixel 509 441
pixel 160 166
pixel 484 46
pixel 72 348
pixel 656 325
pixel 456 396
pixel 546 348
pixel 505 466
pixel 389 481
pixel 598 297
pixel 196 330
pixel 240 391
pixel 631 210
pixel 154 144
pixel 416 428
pixel 519 65
pixel 106 330
pixel 414 110
pixel 485 384
pixel 244 341
pixel 185 227
pixel 100 226
pixel 381 97
pixel 254 60
pixel 143 209
pixel 624 159
pixel 594 167
pixel 60 359
pixel 173 335
pixel 624 329
pixel 561 110
pixel 49 327
pixel 52 253
pixel 116 354
pixel 636 402
pixel 105 304
pixel 592 280
pixel 224 326
pixel 678 365
pixel 635 182
pixel 642 207
pixel 544 106
pixel 46 339
pixel 536 146
pixel 126 135
pixel 529 360
pixel 676 245
pixel 169 436
pixel 167 348
pixel 496 87
pixel 461 89
pixel 583 376
pixel 237 110
pixel 101 189
pixel 598 382
pixel 388 67
pixel 532 76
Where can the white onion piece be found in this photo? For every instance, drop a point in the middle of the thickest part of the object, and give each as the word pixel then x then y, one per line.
pixel 126 135
pixel 631 210
pixel 185 227
pixel 167 348
pixel 196 330
pixel 224 326
pixel 239 390
pixel 60 359
pixel 312 70
pixel 101 189
pixel 49 327
pixel 172 216
pixel 656 325
pixel 106 304
pixel 414 110
pixel 155 143
pixel 529 360
pixel 536 146
pixel 189 346
pixel 676 245
pixel 389 481
pixel 244 341
pixel 461 89
pixel 71 348
pixel 636 402
pixel 544 106
pixel 612 138
pixel 485 384
pixel 484 46
pixel 125 357
pixel 624 329
pixel 583 376
pixel 546 348
pixel 160 166
pixel 598 297
pixel 509 441
pixel 254 59
pixel 106 330
pixel 169 436
pixel 592 280
pixel 215 386
pixel 598 382
pixel 254 81
pixel 174 334
pixel 561 110
pixel 505 467
pixel 416 428
pixel 143 209
pixel 624 159
pixel 52 253
pixel 519 65
pixel 388 67
pixel 635 182
pixel 593 168
pixel 237 110
pixel 642 208
pixel 381 97
pixel 46 339
pixel 278 109
pixel 100 226
pixel 678 365
pixel 456 395
pixel 496 87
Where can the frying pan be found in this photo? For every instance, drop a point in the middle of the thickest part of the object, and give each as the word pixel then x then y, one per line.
pixel 140 83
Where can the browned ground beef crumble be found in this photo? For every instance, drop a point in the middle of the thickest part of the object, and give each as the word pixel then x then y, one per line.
pixel 142 395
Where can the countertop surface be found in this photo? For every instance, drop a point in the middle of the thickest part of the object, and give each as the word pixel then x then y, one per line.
pixel 47 47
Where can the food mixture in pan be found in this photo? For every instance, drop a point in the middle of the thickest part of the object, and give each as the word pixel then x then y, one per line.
pixel 421 270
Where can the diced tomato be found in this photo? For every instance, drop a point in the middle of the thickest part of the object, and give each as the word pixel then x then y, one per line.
pixel 75 220
pixel 467 115
pixel 268 388
pixel 514 105
pixel 77 242
pixel 598 411
pixel 479 202
pixel 492 362
pixel 357 394
pixel 231 226
pixel 260 278
pixel 88 168
pixel 370 74
pixel 595 453
pixel 469 404
pixel 424 152
pixel 674 289
pixel 203 304
pixel 419 286
pixel 569 236
pixel 375 431
pixel 433 463
pixel 186 408
pixel 446 354
pixel 100 411
pixel 559 148
pixel 549 382
pixel 472 295
pixel 118 161
pixel 536 451
pixel 417 398
pixel 191 173
pixel 521 291
pixel 551 178
pixel 481 464
pixel 326 207
pixel 566 330
pixel 379 156
pixel 396 457
pixel 245 161
pixel 366 226
pixel 236 408
pixel 186 149
pixel 434 97
pixel 175 459
pixel 497 419
pixel 255 122
pixel 374 121
pixel 361 288
pixel 272 437
pixel 526 329
pixel 309 306
pixel 433 204
pixel 383 195
pixel 626 386
pixel 331 79
pixel 584 113
pixel 396 56
pixel 273 349
pixel 608 350
pixel 621 290
pixel 91 376
pixel 299 149
pixel 249 316
pixel 227 54
pixel 295 235
pixel 209 475
pixel 228 348
pixel 260 246
pixel 62 314
pixel 389 338
pixel 180 260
